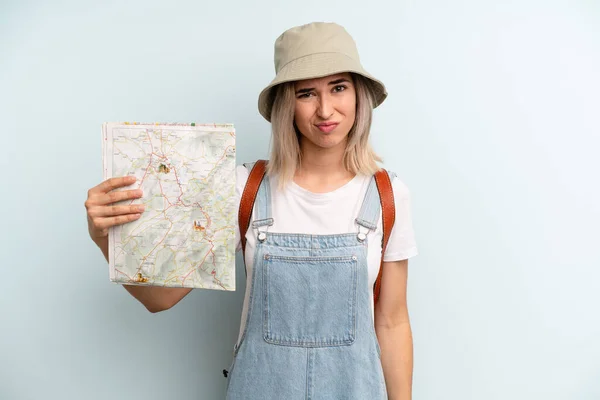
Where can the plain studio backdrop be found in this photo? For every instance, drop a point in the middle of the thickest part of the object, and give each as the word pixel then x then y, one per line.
pixel 492 120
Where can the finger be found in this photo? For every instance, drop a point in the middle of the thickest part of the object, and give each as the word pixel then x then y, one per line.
pixel 112 210
pixel 118 195
pixel 104 223
pixel 112 183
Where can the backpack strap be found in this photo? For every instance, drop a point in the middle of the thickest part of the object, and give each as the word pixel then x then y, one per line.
pixel 388 213
pixel 247 201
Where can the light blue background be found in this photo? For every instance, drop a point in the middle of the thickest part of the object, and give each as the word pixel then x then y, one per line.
pixel 493 122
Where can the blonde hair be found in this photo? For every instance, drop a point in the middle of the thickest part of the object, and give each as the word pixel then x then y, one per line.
pixel 286 156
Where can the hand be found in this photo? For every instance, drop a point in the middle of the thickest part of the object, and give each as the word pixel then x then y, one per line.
pixel 103 214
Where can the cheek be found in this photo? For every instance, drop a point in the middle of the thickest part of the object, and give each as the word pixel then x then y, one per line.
pixel 346 103
pixel 301 116
pixel 349 107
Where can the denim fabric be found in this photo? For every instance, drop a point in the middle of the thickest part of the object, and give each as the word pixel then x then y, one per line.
pixel 309 330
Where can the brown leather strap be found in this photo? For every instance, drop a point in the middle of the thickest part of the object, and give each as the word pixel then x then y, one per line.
pixel 388 212
pixel 247 201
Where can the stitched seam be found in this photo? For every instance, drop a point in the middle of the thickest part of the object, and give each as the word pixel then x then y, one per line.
pixel 384 186
pixel 304 259
pixel 312 54
pixel 245 219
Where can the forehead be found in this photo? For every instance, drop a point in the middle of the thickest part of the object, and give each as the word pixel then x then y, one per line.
pixel 323 81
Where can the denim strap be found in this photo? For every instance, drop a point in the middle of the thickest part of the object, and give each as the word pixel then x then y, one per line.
pixel 371 206
pixel 263 205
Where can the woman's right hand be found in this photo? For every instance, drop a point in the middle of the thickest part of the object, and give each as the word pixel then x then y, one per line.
pixel 103 214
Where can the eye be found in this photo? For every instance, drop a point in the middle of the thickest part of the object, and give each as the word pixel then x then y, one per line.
pixel 339 88
pixel 305 95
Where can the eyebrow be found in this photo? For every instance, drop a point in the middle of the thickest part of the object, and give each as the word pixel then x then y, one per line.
pixel 336 82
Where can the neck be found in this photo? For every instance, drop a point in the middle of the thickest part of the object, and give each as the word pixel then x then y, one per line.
pixel 319 161
pixel 322 169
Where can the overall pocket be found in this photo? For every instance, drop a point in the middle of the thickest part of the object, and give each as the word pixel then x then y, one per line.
pixel 309 301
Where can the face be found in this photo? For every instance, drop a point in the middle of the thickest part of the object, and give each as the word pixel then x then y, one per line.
pixel 325 110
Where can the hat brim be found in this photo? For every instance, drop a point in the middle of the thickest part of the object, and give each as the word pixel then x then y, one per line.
pixel 317 66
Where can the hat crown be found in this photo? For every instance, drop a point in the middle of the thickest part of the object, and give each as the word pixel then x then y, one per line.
pixel 313 38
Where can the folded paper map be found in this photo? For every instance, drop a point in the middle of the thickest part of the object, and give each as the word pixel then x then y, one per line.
pixel 186 235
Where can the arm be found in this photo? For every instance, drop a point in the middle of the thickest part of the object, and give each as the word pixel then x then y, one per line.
pixel 393 330
pixel 154 298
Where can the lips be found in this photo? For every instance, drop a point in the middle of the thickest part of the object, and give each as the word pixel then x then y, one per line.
pixel 327 126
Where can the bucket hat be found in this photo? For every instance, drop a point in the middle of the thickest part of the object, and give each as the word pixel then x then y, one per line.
pixel 312 51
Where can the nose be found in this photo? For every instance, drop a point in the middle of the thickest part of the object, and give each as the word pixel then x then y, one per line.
pixel 325 108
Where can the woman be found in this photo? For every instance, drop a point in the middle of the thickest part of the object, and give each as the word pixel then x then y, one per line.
pixel 310 328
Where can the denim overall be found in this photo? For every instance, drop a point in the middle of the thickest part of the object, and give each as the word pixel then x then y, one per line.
pixel 309 330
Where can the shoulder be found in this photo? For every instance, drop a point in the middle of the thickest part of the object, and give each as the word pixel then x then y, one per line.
pixel 241 177
pixel 401 190
pixel 242 173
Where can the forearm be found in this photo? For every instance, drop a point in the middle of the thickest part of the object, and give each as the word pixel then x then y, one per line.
pixel 154 298
pixel 397 359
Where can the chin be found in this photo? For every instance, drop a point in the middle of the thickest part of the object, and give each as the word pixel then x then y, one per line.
pixel 328 142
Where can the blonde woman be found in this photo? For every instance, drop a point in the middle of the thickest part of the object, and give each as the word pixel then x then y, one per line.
pixel 312 326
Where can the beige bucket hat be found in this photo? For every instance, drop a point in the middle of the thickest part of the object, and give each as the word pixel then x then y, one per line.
pixel 312 51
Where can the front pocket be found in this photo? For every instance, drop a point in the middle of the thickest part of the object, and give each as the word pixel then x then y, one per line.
pixel 309 301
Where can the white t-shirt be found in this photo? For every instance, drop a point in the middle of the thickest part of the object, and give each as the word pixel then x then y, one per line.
pixel 296 210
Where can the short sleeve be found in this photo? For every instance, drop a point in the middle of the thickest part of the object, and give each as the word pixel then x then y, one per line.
pixel 241 177
pixel 402 243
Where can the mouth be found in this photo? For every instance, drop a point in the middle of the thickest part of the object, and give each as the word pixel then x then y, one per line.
pixel 327 126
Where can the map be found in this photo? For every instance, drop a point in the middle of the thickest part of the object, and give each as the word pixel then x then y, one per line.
pixel 186 235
